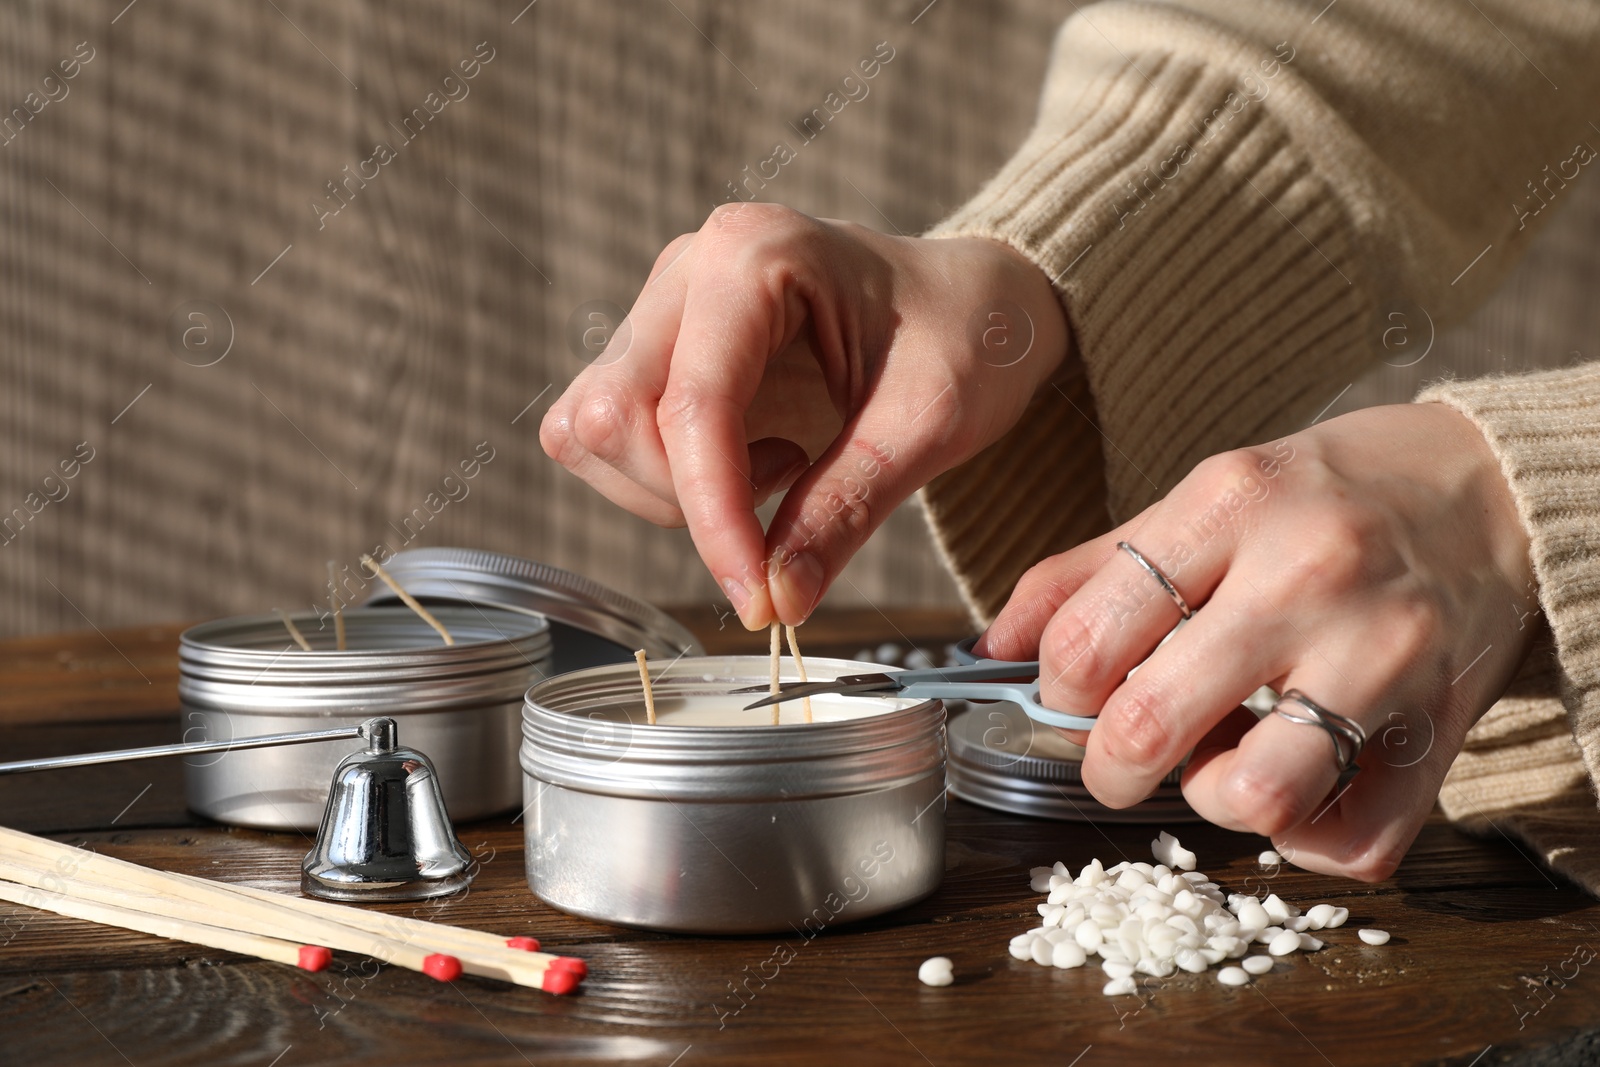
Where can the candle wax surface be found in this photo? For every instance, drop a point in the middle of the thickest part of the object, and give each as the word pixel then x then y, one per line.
pixel 728 709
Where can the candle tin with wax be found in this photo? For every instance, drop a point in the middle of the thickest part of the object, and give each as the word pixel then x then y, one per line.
pixel 714 820
pixel 460 704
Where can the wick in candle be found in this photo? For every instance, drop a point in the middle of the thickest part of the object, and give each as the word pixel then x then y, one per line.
pixel 410 601
pixel 338 607
pixel 294 631
pixel 777 652
pixel 649 696
pixel 799 665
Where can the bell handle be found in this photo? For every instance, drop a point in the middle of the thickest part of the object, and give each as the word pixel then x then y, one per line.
pixel 85 759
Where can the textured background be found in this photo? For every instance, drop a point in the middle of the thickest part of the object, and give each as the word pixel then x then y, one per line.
pixel 366 358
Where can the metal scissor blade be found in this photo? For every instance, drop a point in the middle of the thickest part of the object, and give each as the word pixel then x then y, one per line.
pixel 861 683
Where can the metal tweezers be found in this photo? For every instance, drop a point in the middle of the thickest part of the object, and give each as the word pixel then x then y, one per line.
pixel 980 680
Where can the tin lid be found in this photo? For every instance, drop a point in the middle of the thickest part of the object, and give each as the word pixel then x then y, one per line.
pixel 1002 759
pixel 590 624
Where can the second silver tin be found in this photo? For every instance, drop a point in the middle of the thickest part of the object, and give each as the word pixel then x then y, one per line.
pixel 1002 759
pixel 459 704
pixel 727 829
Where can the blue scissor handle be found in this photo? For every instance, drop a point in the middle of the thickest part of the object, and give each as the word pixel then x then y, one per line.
pixel 1025 696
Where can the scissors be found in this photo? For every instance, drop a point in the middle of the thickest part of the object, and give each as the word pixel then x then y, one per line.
pixel 979 679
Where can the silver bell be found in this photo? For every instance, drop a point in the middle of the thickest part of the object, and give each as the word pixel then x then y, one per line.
pixel 385 833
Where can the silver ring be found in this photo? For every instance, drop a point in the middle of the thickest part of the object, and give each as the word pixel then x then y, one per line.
pixel 1155 572
pixel 1348 737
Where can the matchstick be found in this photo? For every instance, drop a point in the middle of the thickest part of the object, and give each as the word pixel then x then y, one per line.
pixel 338 607
pixel 410 601
pixel 440 951
pixel 294 631
pixel 799 665
pixel 306 957
pixel 777 652
pixel 644 680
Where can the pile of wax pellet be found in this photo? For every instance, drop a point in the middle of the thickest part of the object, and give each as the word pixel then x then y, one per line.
pixel 1155 919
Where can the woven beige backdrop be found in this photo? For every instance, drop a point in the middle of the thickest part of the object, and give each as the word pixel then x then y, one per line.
pixel 369 352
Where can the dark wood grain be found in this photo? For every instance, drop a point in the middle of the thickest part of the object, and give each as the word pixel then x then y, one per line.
pixel 1473 975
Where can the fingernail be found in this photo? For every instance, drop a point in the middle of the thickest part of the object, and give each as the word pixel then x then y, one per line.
pixel 741 598
pixel 799 583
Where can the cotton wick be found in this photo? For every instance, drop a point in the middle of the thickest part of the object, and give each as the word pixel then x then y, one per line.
pixel 338 607
pixel 772 688
pixel 799 665
pixel 409 600
pixel 294 631
pixel 644 680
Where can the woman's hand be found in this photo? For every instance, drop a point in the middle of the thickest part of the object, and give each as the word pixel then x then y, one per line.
pixel 1375 562
pixel 771 350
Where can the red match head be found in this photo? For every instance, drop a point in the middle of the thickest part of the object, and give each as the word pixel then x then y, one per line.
pixel 559 981
pixel 314 957
pixel 572 965
pixel 444 968
pixel 526 944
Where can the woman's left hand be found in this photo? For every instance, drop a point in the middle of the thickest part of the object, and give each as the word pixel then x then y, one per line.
pixel 1375 562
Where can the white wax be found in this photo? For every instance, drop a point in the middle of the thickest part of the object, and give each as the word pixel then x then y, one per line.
pixel 728 709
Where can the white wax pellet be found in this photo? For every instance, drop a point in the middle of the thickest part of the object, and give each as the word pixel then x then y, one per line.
pixel 1212 955
pixel 1275 907
pixel 1114 969
pixel 1319 915
pixel 1089 936
pixel 1233 976
pixel 1118 987
pixel 1309 943
pixel 1023 951
pixel 1298 924
pixel 1257 964
pixel 1339 916
pixel 887 653
pixel 1269 858
pixel 1266 936
pixel 1039 879
pixel 1190 960
pixel 1068 954
pixel 918 660
pixel 1042 950
pixel 936 971
pixel 1253 915
pixel 1284 943
pixel 1373 937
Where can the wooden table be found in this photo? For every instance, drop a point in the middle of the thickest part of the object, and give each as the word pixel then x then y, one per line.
pixel 1487 964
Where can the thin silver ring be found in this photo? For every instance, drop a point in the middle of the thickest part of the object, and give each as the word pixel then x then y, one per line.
pixel 1155 572
pixel 1348 737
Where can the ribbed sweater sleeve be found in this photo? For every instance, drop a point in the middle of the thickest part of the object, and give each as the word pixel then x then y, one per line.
pixel 1529 763
pixel 1231 197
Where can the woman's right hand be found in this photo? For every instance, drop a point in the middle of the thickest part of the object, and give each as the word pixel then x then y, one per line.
pixel 771 350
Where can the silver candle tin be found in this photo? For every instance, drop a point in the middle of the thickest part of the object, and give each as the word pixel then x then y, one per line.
pixel 1001 759
pixel 728 830
pixel 460 704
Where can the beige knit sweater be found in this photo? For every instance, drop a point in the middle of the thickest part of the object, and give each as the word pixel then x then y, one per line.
pixel 1235 199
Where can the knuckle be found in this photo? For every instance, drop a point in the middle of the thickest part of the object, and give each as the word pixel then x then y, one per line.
pixel 1331 562
pixel 1136 730
pixel 1227 470
pixel 1068 645
pixel 679 409
pixel 600 425
pixel 1264 803
pixel 555 436
pixel 1415 629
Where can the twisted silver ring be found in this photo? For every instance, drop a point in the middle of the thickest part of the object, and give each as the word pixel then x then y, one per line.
pixel 1348 737
pixel 1162 579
